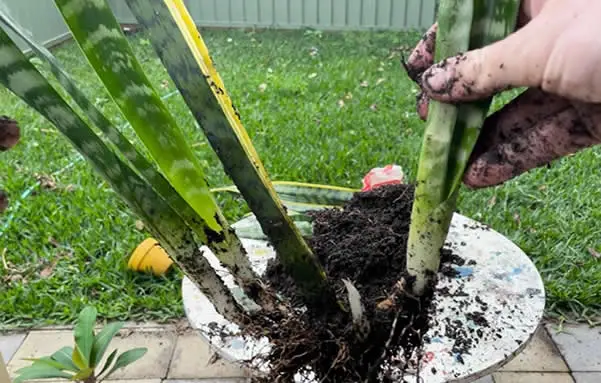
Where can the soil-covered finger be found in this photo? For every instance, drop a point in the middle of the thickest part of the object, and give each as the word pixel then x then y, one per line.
pixel 517 117
pixel 422 57
pixel 423 103
pixel 551 138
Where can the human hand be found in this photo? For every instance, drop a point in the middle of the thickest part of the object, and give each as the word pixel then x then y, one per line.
pixel 556 53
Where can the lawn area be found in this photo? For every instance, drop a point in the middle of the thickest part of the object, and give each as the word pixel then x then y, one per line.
pixel 321 108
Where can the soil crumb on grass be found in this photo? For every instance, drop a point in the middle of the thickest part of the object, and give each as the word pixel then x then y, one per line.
pixel 365 242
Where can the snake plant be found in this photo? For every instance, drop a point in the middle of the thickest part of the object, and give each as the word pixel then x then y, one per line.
pixel 168 191
pixel 451 132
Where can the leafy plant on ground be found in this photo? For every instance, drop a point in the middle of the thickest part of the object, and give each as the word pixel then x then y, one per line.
pixel 83 361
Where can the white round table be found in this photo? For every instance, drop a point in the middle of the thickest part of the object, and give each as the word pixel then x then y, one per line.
pixel 496 301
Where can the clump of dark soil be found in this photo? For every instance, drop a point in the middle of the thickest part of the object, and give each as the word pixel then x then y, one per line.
pixel 365 243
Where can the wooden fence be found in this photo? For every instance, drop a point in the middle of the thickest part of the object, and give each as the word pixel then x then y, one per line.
pixel 46 25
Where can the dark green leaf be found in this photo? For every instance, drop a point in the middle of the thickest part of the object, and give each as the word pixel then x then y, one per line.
pixel 84 333
pixel 38 371
pixel 127 358
pixel 64 356
pixel 102 340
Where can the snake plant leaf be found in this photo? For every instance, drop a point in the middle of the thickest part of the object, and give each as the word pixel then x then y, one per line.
pixel 102 340
pixel 249 227
pixel 39 371
pixel 84 333
pixel 451 132
pixel 20 76
pixel 98 34
pixel 183 52
pixel 303 197
pixel 314 193
pixel 129 151
pixel 497 19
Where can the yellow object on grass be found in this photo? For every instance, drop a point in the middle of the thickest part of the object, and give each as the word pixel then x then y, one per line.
pixel 150 256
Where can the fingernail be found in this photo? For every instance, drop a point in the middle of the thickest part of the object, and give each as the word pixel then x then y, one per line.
pixel 438 80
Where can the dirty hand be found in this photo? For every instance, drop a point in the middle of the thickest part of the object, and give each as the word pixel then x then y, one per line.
pixel 556 53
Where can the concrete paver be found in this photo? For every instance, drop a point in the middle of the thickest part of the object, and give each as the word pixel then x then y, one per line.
pixel 540 355
pixel 187 358
pixel 532 377
pixel 155 363
pixel 38 344
pixel 587 377
pixel 486 379
pixel 9 344
pixel 216 380
pixel 196 364
pixel 133 381
pixel 580 346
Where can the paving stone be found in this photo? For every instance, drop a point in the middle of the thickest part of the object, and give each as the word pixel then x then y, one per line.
pixel 532 377
pixel 587 377
pixel 209 380
pixel 113 381
pixel 191 360
pixel 540 355
pixel 9 344
pixel 486 379
pixel 133 381
pixel 580 346
pixel 153 365
pixel 38 344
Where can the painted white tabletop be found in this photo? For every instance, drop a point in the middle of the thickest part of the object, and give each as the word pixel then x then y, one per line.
pixel 498 304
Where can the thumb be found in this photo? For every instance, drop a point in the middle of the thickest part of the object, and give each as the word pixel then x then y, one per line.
pixel 515 61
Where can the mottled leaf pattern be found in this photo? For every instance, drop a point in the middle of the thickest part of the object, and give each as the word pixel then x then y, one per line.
pixel 139 161
pixel 23 79
pixel 451 131
pixel 182 51
pixel 97 32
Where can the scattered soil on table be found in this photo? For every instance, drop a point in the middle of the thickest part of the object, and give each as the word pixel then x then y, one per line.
pixel 365 243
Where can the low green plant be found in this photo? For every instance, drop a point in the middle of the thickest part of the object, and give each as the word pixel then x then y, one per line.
pixel 82 362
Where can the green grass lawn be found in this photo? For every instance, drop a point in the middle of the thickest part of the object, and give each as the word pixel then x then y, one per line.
pixel 321 108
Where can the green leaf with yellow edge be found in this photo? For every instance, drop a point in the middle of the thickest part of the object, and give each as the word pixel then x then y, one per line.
pixel 19 75
pixel 146 169
pixel 183 52
pixel 98 34
pixel 83 374
pixel 78 359
pixel 302 197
